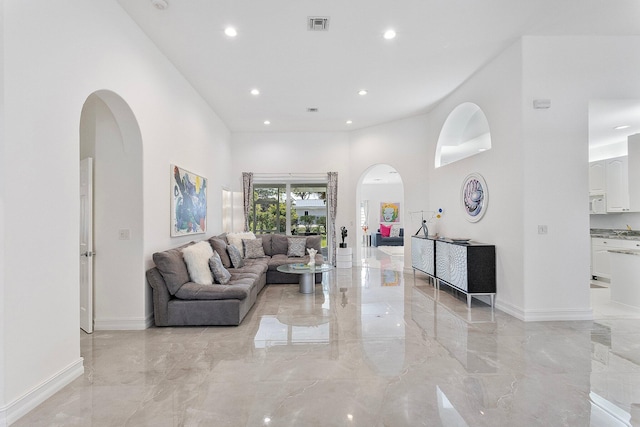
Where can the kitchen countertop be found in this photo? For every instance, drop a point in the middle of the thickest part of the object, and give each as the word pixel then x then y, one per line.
pixel 625 251
pixel 604 233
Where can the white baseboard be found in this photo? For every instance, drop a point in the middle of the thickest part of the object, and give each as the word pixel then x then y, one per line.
pixel 511 310
pixel 38 394
pixel 123 324
pixel 544 315
pixel 558 314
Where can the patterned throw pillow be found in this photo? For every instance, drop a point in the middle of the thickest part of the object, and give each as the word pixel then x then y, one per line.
pixel 235 239
pixel 220 273
pixel 235 256
pixel 395 231
pixel 297 246
pixel 253 248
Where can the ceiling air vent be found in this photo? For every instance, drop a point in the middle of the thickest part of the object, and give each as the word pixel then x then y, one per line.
pixel 312 110
pixel 318 23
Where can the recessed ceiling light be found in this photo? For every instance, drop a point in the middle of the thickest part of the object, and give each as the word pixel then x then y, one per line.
pixel 482 149
pixel 621 127
pixel 267 122
pixel 230 32
pixel 349 122
pixel 362 92
pixel 255 92
pixel 389 34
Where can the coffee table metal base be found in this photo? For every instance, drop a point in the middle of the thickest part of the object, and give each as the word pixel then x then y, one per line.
pixel 307 283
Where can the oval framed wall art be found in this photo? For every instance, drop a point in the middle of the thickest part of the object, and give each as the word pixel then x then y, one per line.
pixel 474 197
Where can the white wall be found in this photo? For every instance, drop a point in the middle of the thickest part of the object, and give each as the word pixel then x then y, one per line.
pixel 82 47
pixel 3 348
pixel 403 145
pixel 570 71
pixel 496 90
pixel 616 221
pixel 297 153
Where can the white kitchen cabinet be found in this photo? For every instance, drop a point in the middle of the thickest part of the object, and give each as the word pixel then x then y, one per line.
pixel 617 184
pixel 601 258
pixel 597 178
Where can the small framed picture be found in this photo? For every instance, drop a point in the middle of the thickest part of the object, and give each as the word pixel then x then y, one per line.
pixel 390 212
pixel 474 197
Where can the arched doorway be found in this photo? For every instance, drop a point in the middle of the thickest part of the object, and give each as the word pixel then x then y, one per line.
pixel 109 134
pixel 379 185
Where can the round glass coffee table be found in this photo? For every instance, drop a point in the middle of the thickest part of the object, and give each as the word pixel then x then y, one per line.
pixel 307 274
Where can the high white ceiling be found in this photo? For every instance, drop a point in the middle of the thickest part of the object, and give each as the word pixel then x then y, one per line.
pixel 439 44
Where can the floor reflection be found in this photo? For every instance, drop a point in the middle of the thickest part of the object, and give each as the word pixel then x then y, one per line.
pixel 368 348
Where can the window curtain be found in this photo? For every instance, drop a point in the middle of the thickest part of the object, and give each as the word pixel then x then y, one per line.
pixel 332 207
pixel 247 192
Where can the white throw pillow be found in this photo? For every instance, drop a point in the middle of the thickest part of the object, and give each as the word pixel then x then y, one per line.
pixel 395 231
pixel 197 259
pixel 235 239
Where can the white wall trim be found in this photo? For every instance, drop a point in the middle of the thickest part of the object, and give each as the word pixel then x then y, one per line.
pixel 545 315
pixel 510 309
pixel 41 392
pixel 123 324
pixel 558 314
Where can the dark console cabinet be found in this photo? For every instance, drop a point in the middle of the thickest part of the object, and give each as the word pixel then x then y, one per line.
pixel 469 267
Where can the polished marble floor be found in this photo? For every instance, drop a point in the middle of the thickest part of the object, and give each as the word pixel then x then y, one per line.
pixel 372 347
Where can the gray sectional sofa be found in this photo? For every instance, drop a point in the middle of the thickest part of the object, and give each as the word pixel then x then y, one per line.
pixel 177 301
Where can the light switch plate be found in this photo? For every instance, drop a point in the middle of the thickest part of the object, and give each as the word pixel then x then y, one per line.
pixel 124 234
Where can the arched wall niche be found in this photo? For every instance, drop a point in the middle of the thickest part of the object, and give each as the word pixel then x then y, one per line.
pixel 109 133
pixel 464 133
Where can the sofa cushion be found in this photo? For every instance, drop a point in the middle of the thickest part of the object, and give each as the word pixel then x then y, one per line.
pixel 385 230
pixel 253 248
pixel 395 231
pixel 220 246
pixel 296 246
pixel 220 274
pixel 257 265
pixel 235 239
pixel 279 244
pixel 190 291
pixel 266 243
pixel 197 259
pixel 172 267
pixel 314 242
pixel 235 256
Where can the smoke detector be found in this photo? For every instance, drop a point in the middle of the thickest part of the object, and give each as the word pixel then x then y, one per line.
pixel 160 4
pixel 318 23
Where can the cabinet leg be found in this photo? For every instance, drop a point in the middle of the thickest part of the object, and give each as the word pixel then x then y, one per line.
pixel 468 300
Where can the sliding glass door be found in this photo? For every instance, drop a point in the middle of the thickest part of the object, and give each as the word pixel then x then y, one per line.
pixel 290 208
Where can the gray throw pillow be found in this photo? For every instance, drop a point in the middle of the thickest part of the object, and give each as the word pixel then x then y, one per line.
pixel 314 242
pixel 172 267
pixel 220 246
pixel 279 244
pixel 235 256
pixel 297 246
pixel 253 248
pixel 220 273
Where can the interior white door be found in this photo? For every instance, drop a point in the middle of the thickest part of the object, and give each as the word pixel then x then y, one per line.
pixel 86 245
